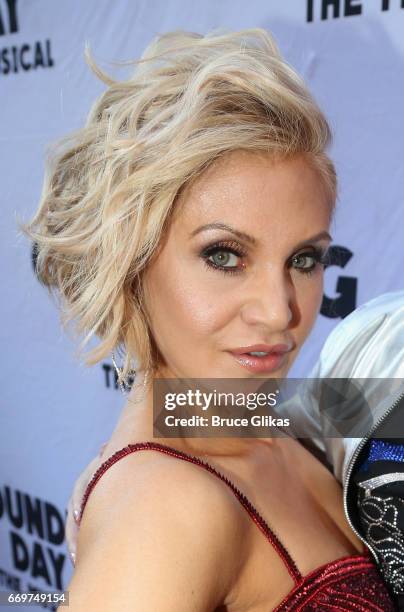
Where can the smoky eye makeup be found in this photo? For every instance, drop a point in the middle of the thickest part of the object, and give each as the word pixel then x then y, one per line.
pixel 226 256
pixel 318 255
pixel 221 253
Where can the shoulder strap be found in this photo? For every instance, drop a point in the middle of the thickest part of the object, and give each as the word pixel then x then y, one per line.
pixel 254 514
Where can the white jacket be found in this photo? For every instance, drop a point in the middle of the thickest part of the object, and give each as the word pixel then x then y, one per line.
pixel 366 351
pixel 367 345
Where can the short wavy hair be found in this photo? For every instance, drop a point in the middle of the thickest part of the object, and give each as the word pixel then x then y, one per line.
pixel 110 188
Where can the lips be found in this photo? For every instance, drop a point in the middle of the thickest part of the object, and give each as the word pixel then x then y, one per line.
pixel 274 359
pixel 275 348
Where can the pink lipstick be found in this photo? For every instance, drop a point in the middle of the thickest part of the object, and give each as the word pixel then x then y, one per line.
pixel 261 358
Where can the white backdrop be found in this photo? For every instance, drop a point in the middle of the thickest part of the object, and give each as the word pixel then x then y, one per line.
pixel 55 413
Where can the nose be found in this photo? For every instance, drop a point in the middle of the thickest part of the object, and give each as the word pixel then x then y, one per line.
pixel 269 301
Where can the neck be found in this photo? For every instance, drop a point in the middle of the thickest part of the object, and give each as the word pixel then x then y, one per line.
pixel 136 423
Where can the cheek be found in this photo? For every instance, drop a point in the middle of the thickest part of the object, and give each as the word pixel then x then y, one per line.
pixel 310 295
pixel 193 309
pixel 182 305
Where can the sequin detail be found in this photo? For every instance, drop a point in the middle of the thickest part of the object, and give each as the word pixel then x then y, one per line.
pixel 350 583
pixel 383 451
pixel 386 451
pixel 379 519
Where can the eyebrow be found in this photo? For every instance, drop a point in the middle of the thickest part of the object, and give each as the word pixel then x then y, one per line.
pixel 223 226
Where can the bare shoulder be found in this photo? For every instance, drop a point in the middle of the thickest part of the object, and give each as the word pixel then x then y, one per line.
pixel 157 533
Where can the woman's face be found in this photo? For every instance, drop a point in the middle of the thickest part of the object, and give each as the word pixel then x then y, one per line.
pixel 214 290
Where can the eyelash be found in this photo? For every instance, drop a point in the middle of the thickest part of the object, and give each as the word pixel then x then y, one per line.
pixel 319 255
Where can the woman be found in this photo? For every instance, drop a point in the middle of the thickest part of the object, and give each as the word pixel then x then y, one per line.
pixel 367 346
pixel 188 223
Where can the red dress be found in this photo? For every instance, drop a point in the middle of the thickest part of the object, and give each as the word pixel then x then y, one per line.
pixel 350 583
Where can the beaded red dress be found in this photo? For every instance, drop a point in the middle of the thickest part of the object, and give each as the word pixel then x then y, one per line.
pixel 351 583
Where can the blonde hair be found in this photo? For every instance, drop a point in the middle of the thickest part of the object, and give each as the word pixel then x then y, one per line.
pixel 109 191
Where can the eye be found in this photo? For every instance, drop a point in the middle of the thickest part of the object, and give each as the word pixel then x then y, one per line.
pixel 224 257
pixel 308 261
